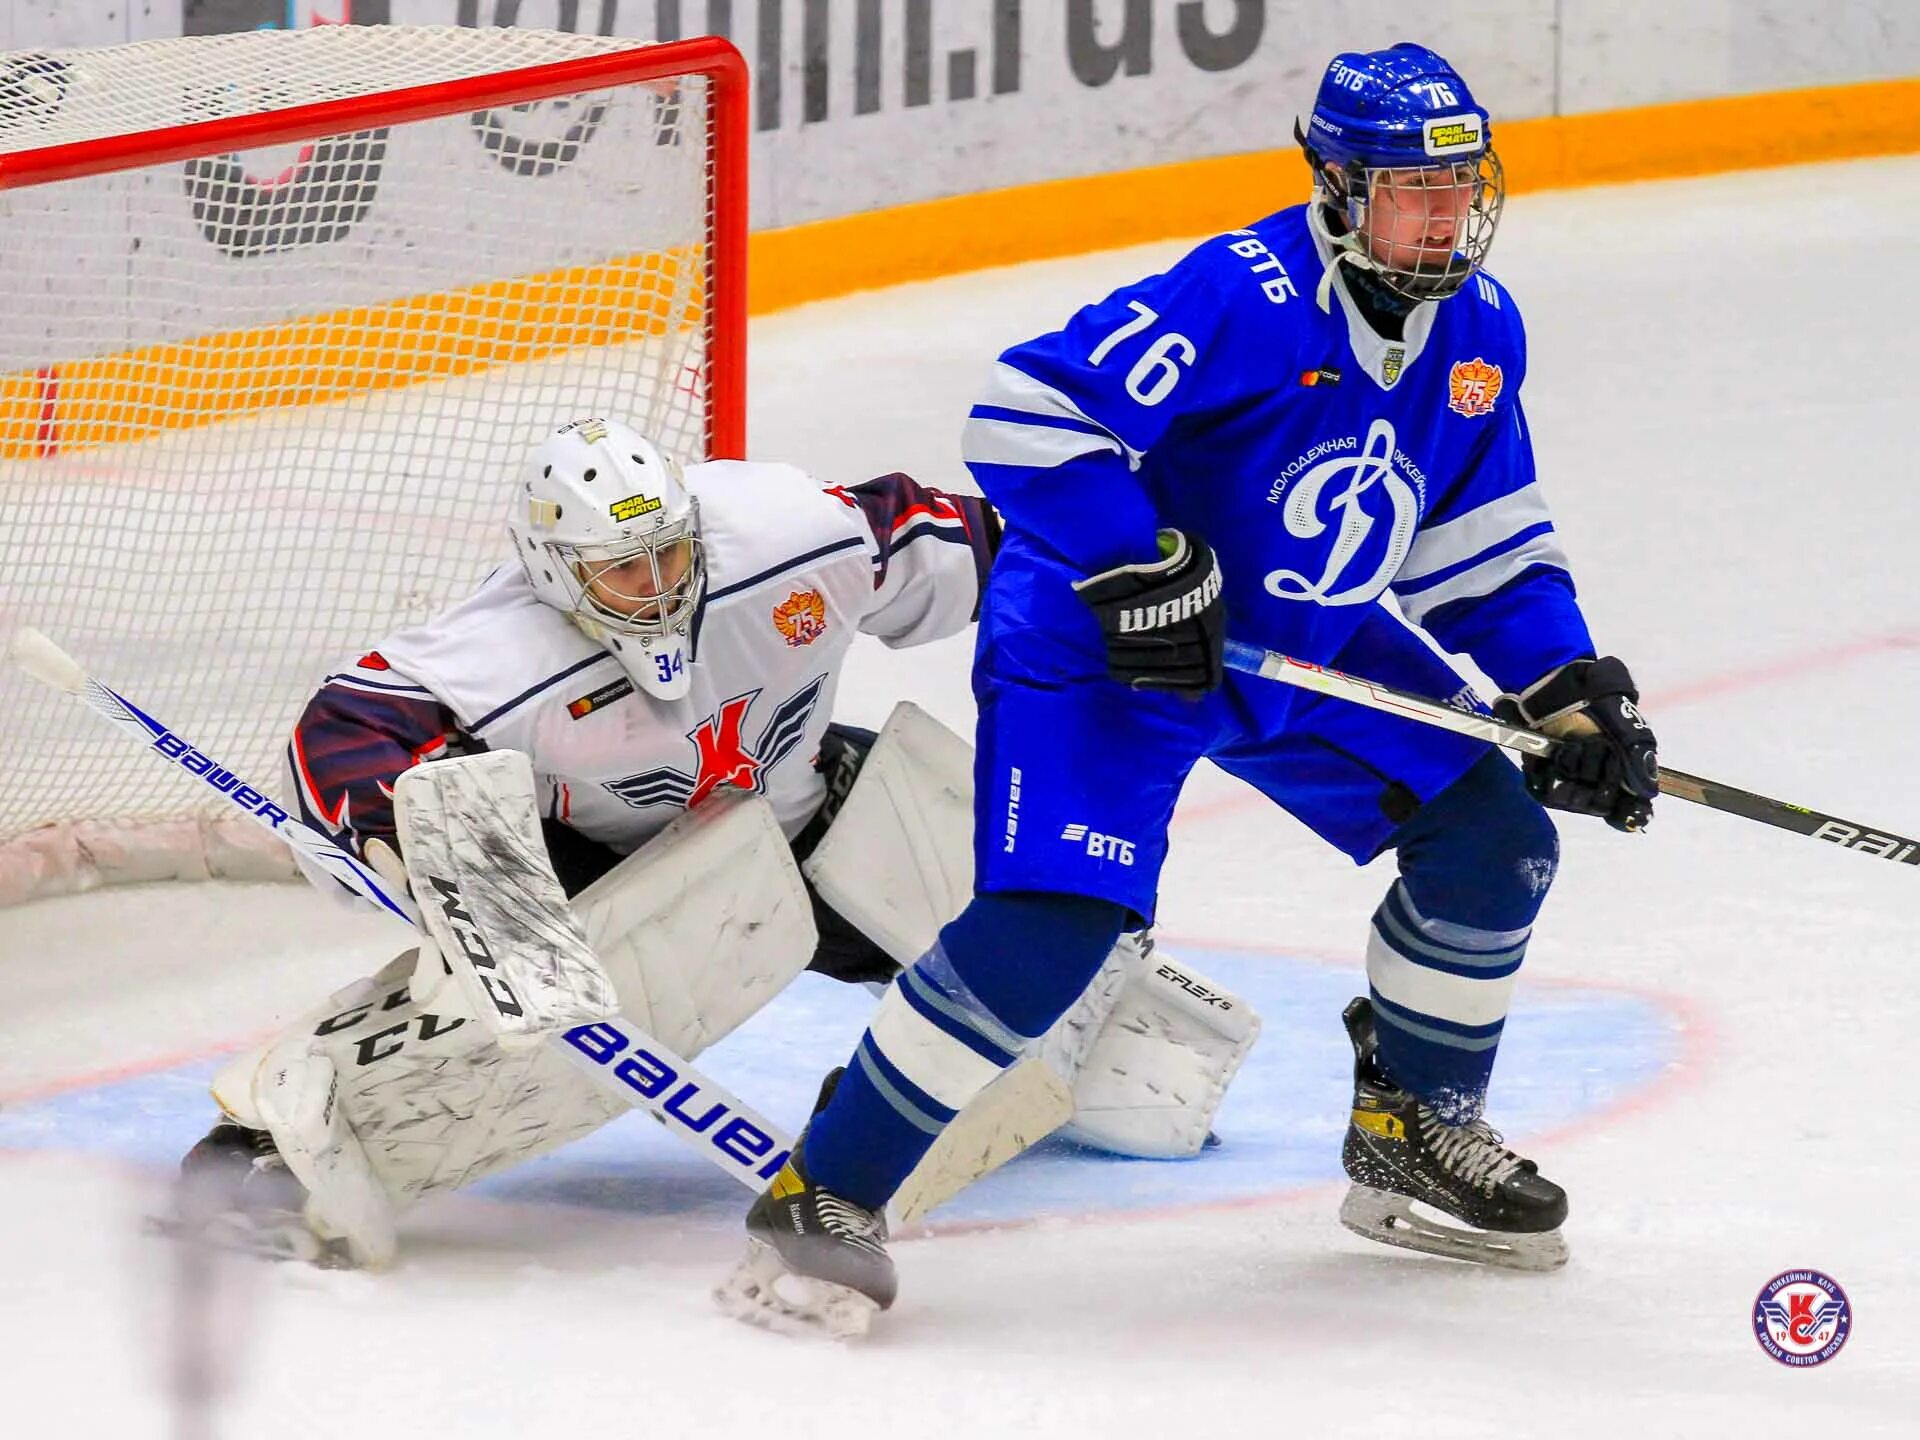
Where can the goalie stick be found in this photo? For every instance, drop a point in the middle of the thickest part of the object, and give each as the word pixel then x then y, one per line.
pixel 1848 834
pixel 623 1060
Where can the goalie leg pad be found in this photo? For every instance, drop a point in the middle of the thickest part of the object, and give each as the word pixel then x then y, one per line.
pixel 470 831
pixel 379 1097
pixel 897 862
pixel 1149 1077
pixel 704 924
pixel 1150 1047
pixel 297 1095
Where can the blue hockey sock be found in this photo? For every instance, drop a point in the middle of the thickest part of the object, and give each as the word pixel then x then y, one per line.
pixel 1447 941
pixel 997 977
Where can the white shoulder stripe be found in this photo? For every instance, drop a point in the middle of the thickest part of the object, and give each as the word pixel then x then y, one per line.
pixel 1013 389
pixel 1542 549
pixel 1009 388
pixel 1465 536
pixel 1004 442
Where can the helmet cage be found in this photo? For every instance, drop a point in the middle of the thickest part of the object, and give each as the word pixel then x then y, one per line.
pixel 1373 199
pixel 666 606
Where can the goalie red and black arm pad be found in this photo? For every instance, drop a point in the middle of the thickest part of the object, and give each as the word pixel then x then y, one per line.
pixel 930 553
pixel 900 511
pixel 1164 622
pixel 355 738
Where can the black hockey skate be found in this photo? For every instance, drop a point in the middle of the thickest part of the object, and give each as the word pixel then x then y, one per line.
pixel 1398 1151
pixel 236 1192
pixel 816 1263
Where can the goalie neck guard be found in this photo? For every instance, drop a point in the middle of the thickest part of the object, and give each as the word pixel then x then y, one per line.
pixel 1406 181
pixel 609 534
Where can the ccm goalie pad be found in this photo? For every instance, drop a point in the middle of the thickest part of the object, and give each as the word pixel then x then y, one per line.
pixel 392 1090
pixel 470 833
pixel 1142 1060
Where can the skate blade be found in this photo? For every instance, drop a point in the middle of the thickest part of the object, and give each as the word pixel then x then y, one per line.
pixel 239 1234
pixel 762 1291
pixel 1391 1219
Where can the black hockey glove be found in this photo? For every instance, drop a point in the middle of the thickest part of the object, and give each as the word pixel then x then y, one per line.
pixel 1164 623
pixel 1607 761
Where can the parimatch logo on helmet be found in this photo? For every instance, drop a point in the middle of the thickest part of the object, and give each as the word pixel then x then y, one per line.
pixel 633 507
pixel 1452 134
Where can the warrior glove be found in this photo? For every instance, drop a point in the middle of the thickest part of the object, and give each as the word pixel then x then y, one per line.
pixel 1607 761
pixel 1164 624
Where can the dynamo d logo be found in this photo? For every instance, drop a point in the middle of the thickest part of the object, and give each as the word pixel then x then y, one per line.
pixel 1801 1318
pixel 1356 474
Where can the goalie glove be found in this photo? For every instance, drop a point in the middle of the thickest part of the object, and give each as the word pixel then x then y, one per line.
pixel 1607 761
pixel 1164 623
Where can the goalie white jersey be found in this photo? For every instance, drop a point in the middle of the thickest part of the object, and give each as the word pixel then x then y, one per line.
pixel 794 571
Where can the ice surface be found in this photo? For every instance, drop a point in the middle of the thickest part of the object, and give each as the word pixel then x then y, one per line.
pixel 1708 1045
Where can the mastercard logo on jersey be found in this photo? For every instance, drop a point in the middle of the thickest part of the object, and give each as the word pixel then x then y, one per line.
pixel 604 696
pixel 801 617
pixel 1473 386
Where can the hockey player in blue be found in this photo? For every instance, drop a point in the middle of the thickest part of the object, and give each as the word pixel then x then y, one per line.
pixel 1296 422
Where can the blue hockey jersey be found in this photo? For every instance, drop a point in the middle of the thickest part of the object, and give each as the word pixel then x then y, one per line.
pixel 1326 465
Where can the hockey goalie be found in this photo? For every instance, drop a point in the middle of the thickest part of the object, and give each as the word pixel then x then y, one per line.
pixel 614 765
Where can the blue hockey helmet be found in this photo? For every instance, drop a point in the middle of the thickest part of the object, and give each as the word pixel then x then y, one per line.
pixel 1403 156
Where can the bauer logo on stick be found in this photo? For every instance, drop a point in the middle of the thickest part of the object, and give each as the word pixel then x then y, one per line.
pixel 1801 1318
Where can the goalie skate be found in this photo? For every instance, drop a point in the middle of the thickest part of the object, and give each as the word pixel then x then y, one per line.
pixel 1452 1190
pixel 235 1192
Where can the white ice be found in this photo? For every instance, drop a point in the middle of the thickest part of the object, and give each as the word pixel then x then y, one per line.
pixel 1719 384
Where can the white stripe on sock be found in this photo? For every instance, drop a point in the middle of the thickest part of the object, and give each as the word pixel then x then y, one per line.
pixel 949 1071
pixel 1424 991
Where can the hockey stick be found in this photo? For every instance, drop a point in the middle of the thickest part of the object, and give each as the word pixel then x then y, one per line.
pixel 1272 665
pixel 624 1061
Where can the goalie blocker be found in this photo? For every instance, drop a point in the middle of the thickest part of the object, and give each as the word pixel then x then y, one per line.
pixel 428 1075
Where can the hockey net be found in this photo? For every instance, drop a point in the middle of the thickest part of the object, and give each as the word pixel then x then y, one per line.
pixel 287 310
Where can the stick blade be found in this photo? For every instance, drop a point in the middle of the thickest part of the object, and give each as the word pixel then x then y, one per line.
pixel 1013 1114
pixel 46 661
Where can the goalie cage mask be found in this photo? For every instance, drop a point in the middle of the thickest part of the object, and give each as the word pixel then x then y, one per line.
pixel 609 534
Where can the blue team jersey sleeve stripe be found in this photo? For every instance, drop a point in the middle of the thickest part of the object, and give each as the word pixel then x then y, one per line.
pixel 1538 552
pixel 1441 547
pixel 1023 417
pixel 1020 420
pixel 1034 447
pixel 1404 587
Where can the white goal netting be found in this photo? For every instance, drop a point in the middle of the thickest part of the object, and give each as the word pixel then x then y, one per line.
pixel 260 405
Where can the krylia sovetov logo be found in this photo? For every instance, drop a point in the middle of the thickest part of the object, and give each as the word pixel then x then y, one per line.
pixel 1801 1318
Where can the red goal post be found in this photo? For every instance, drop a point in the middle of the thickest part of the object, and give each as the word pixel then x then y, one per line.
pixel 287 311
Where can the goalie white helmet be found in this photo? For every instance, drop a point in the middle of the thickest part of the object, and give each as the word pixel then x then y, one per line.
pixel 609 534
